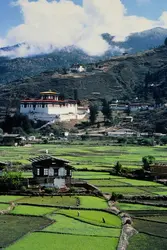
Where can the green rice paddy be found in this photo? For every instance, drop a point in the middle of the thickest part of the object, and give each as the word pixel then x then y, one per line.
pixel 85 156
pixel 68 225
pixel 32 210
pixel 92 202
pixel 94 217
pixel 44 241
pixel 50 200
pixel 131 206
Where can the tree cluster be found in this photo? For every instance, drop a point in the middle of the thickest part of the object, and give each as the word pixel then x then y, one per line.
pixel 107 112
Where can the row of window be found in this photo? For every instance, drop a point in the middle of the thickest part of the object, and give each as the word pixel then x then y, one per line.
pixel 52 172
pixel 45 105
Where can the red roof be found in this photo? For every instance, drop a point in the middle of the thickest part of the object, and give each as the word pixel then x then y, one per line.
pixel 47 101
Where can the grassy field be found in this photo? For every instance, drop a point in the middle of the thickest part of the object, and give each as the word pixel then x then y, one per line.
pixel 9 198
pixel 14 227
pixel 85 156
pixel 3 206
pixel 156 218
pixel 68 225
pixel 49 200
pixel 147 242
pixel 151 227
pixel 45 241
pixel 131 206
pixel 31 210
pixel 90 175
pixel 92 202
pixel 124 190
pixel 90 232
pixel 94 217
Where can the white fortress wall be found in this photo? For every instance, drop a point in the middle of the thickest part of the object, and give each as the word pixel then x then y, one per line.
pixel 29 108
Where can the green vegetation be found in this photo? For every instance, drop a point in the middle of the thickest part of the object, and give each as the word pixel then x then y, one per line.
pixel 92 202
pixel 93 113
pixel 150 227
pixel 109 183
pixel 90 175
pixel 155 218
pixel 131 206
pixel 95 217
pixel 44 241
pixel 68 225
pixel 32 210
pixel 143 241
pixel 3 206
pixel 49 200
pixel 124 190
pixel 86 156
pixel 14 227
pixel 9 198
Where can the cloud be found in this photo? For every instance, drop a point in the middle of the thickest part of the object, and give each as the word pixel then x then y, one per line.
pixel 3 42
pixel 50 25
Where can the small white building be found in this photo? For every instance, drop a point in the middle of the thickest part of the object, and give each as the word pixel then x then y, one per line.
pixel 49 108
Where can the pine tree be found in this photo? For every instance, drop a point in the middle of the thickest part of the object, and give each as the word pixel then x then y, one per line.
pixel 93 113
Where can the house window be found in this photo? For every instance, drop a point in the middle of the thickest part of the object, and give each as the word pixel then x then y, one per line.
pixel 51 172
pixel 46 171
pixel 62 172
pixel 38 171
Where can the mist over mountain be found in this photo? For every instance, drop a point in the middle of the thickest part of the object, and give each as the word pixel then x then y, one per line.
pixel 13 68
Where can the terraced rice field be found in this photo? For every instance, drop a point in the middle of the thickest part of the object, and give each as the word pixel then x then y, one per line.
pixel 42 241
pixel 46 225
pixel 84 229
pixel 147 242
pixel 86 156
pixel 72 226
pixel 92 202
pixel 15 227
pixel 49 200
pixel 9 198
pixel 94 217
pixel 131 206
pixel 31 210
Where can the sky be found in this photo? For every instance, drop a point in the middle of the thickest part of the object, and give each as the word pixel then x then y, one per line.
pixel 47 24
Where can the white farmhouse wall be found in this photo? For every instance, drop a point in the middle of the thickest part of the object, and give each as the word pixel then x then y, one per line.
pixel 59 183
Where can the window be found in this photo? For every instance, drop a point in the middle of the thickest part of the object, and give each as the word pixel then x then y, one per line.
pixel 46 171
pixel 38 171
pixel 51 172
pixel 62 172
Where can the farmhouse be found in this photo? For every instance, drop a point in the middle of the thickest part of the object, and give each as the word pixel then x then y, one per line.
pixel 51 172
pixel 10 140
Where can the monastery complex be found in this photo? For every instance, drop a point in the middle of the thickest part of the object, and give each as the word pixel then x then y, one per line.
pixel 50 108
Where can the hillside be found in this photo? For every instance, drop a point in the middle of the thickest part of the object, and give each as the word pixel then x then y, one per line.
pixel 14 67
pixel 121 77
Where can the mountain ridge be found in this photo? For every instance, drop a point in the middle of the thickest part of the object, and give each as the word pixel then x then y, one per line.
pixel 18 68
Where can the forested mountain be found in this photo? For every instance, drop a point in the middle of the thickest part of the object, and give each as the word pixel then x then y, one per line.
pixel 124 77
pixel 19 68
